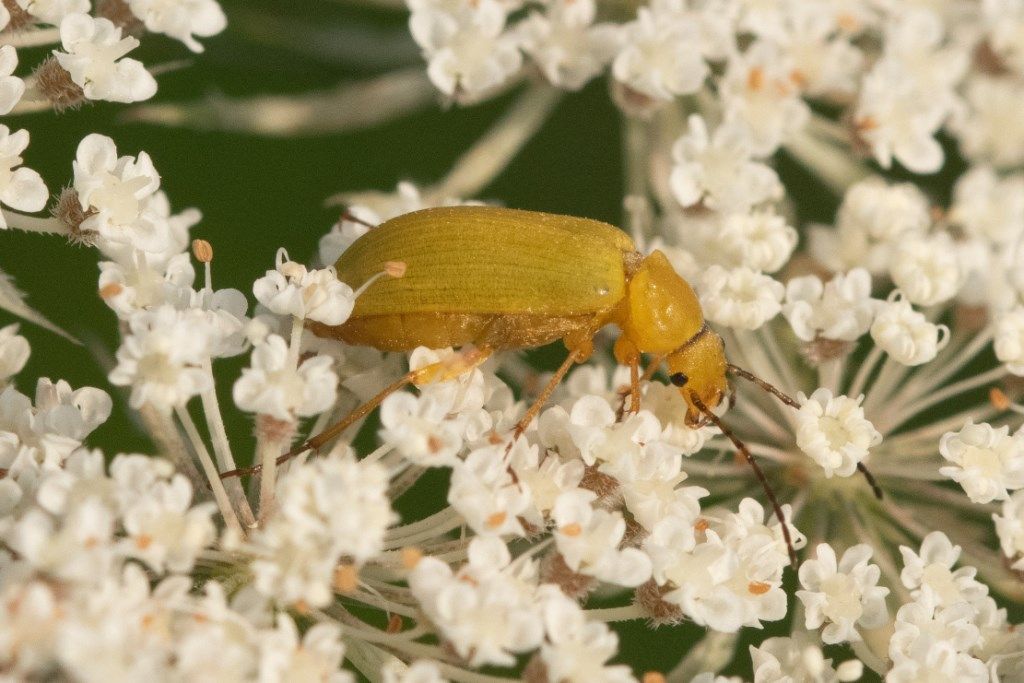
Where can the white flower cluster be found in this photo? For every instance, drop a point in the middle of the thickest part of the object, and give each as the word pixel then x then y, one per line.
pixel 331 518
pixel 952 629
pixel 492 608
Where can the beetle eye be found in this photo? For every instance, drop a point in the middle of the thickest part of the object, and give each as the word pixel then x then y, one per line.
pixel 679 379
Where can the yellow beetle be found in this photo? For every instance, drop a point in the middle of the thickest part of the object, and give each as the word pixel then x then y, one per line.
pixel 491 278
pixel 506 279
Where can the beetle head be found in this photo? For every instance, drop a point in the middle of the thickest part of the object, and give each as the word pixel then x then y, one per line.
pixel 698 368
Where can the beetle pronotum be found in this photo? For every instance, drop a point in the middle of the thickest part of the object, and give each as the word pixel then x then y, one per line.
pixel 492 279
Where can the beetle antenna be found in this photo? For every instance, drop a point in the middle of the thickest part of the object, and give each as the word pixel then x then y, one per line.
pixel 742 448
pixel 770 388
pixel 788 400
pixel 347 215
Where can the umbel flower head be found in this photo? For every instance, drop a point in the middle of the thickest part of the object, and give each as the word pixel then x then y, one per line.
pixel 882 347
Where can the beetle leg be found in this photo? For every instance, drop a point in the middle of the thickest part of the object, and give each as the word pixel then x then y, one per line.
pixel 448 368
pixel 575 356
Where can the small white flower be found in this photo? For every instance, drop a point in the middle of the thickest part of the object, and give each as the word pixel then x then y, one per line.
pixel 935 662
pixel 740 298
pixel 566 44
pixel 163 529
pixel 988 129
pixel 719 171
pixel 905 334
pixel 843 594
pixel 661 57
pixel 20 188
pixel 487 609
pixel 833 431
pixel 928 622
pixel 345 232
pixel 927 269
pixel 291 289
pixel 784 660
pixel 316 656
pixel 760 240
pixel 53 11
pixel 988 462
pixel 988 206
pixel 181 19
pixel 162 358
pixel 420 671
pixel 873 217
pixel 1010 528
pixel 14 352
pixel 93 56
pixel 274 386
pixel 11 87
pixel 588 540
pixel 1009 339
pixel 484 492
pixel 136 285
pixel 577 650
pixel 418 429
pixel 351 525
pixel 932 569
pixel 759 93
pixel 840 309
pixel 466 45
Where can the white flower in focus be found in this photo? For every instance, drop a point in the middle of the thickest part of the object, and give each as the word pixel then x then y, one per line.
pixel 905 334
pixel 181 19
pixel 11 87
pixel 760 94
pixel 164 530
pixel 14 352
pixel 719 171
pixel 588 539
pixel 352 524
pixel 833 431
pixel 741 298
pixel 577 650
pixel 842 595
pixel 1010 529
pixel 487 609
pixel 786 660
pixel 840 309
pixel 419 431
pixel 53 11
pixel 927 269
pixel 873 217
pixel 661 57
pixel 926 624
pixel 316 656
pixel 484 492
pixel 93 56
pixel 930 572
pixel 274 386
pixel 987 462
pixel 162 358
pixel 760 240
pixel 667 405
pixel 291 289
pixel 466 44
pixel 563 41
pixel 20 188
pixel 1009 340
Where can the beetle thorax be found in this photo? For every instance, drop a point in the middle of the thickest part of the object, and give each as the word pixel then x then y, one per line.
pixel 661 311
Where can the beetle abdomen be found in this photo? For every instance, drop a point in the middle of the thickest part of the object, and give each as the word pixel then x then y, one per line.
pixel 488 260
